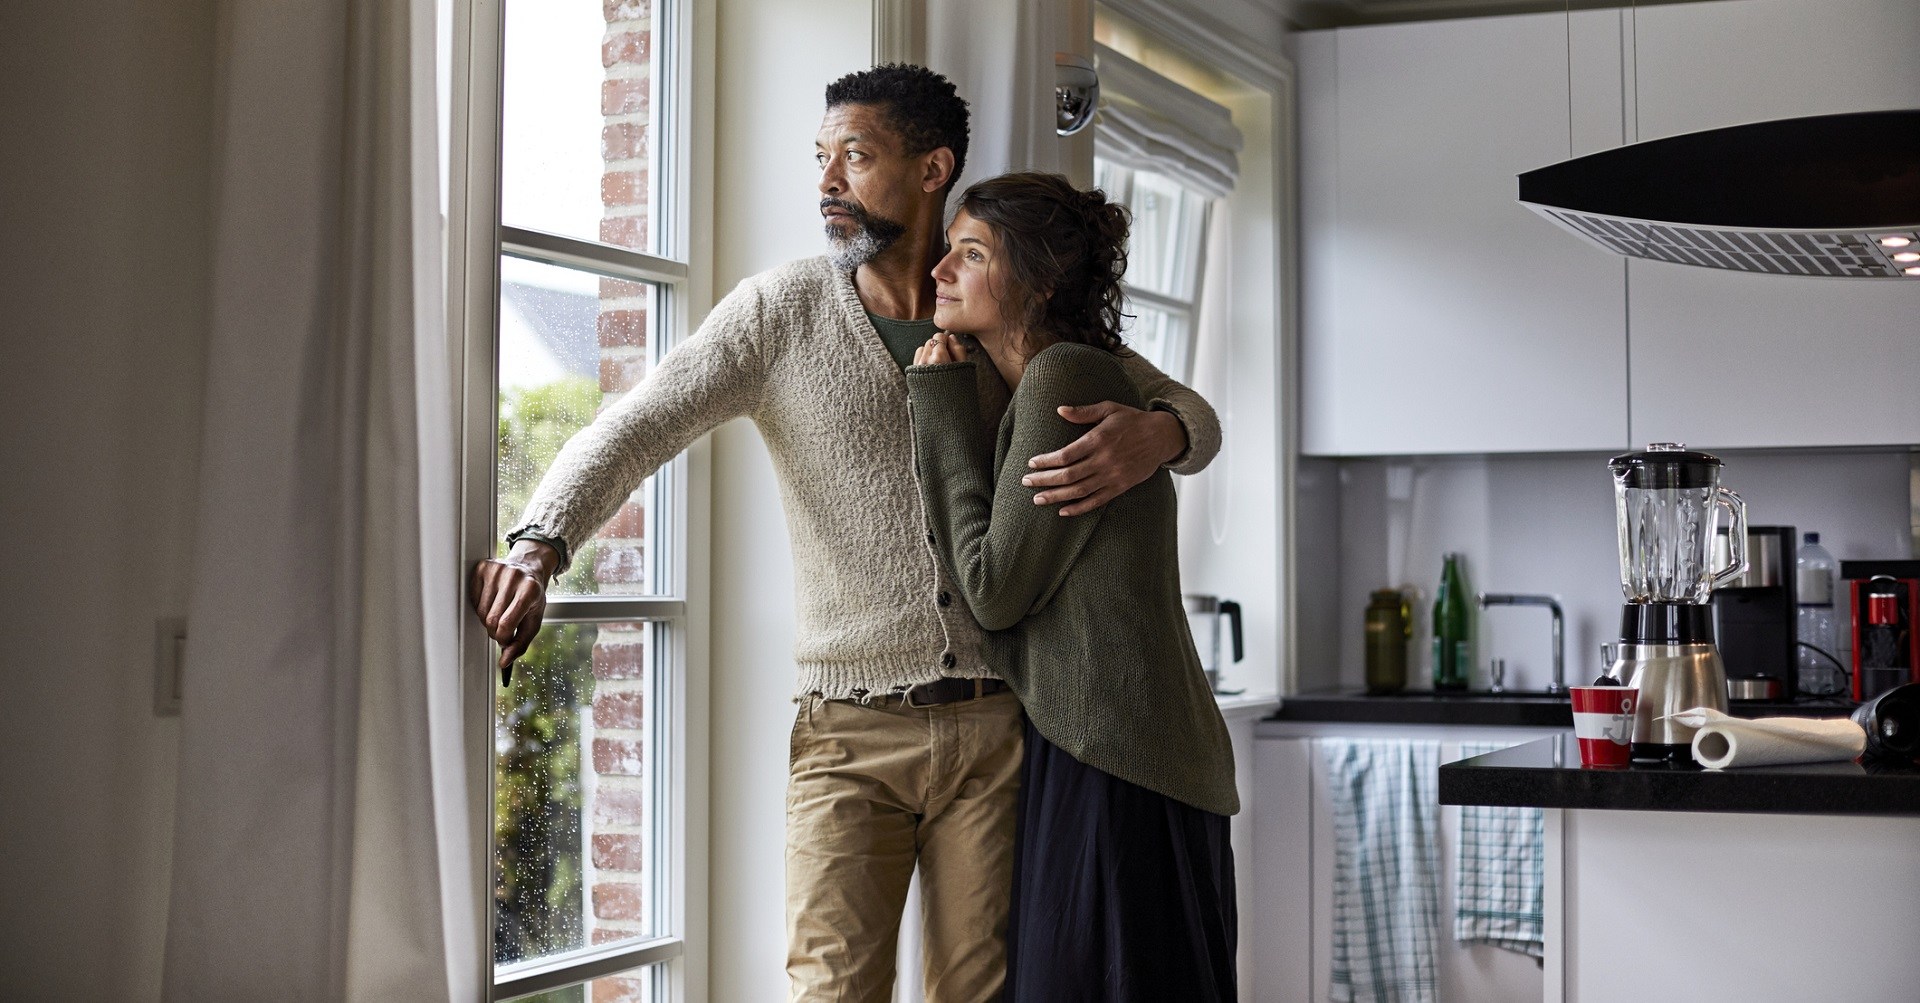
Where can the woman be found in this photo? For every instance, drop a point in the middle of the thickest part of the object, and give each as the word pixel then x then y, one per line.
pixel 1123 876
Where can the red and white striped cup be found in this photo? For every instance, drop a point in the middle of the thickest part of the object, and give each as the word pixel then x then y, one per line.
pixel 1603 722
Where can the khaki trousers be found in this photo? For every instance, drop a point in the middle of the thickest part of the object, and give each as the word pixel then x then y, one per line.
pixel 874 789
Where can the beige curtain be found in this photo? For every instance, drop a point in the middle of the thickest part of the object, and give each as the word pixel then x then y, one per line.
pixel 324 846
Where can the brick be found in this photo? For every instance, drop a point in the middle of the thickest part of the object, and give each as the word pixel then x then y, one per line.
pixel 612 934
pixel 634 47
pixel 623 188
pixel 619 900
pixel 619 710
pixel 630 523
pixel 625 95
pixel 616 289
pixel 613 989
pixel 624 757
pixel 620 852
pixel 619 806
pixel 625 231
pixel 619 661
pixel 623 141
pixel 627 10
pixel 621 373
pixel 622 328
pixel 621 565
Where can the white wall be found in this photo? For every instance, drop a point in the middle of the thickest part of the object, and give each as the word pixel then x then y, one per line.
pixel 106 112
pixel 774 62
pixel 1230 513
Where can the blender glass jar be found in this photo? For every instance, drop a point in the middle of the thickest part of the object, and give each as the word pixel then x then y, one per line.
pixel 1667 501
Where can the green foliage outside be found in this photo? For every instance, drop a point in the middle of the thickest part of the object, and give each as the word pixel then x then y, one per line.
pixel 538 892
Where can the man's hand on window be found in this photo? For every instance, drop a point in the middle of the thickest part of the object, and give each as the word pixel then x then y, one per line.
pixel 1125 447
pixel 510 598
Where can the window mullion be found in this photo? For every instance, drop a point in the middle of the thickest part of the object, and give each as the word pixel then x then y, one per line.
pixel 590 256
pixel 1159 301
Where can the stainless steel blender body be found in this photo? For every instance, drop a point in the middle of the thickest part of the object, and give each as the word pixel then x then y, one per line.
pixel 1670 678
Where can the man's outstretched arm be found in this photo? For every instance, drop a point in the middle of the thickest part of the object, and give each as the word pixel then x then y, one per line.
pixel 717 374
pixel 1179 430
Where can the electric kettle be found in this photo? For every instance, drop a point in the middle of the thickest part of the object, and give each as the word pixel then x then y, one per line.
pixel 1204 621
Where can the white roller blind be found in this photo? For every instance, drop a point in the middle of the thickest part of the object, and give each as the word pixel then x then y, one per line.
pixel 1149 123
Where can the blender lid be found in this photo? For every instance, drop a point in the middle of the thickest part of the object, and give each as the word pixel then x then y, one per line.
pixel 1666 465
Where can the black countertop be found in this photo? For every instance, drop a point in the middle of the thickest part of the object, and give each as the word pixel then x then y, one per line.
pixel 1518 709
pixel 1546 773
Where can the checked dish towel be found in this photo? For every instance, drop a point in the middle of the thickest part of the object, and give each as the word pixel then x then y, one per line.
pixel 1498 879
pixel 1386 872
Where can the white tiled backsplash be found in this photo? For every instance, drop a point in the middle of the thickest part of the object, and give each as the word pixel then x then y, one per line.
pixel 1540 523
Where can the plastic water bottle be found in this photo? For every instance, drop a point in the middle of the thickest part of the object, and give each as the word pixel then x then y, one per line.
pixel 1819 674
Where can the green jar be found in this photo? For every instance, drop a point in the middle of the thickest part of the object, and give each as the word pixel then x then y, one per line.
pixel 1389 626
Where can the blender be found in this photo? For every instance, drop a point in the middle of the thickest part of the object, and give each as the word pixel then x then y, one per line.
pixel 1667 502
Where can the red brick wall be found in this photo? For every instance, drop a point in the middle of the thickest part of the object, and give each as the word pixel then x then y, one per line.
pixel 615 767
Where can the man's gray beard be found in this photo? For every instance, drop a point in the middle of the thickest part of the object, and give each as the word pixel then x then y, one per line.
pixel 849 253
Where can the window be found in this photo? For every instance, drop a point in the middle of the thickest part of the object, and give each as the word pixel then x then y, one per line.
pixel 1169 153
pixel 1166 251
pixel 568 228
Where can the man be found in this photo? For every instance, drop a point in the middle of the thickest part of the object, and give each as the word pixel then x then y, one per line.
pixel 906 748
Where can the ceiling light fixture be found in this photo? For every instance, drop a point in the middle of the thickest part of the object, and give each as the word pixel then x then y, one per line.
pixel 1795 196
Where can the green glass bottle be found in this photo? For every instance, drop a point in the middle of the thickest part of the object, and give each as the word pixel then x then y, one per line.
pixel 1451 657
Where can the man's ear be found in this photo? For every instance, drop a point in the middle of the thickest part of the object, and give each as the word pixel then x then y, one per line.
pixel 939 170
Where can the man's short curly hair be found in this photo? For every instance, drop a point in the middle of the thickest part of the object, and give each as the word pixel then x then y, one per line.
pixel 921 105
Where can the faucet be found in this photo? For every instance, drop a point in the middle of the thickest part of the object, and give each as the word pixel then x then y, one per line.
pixel 1559 684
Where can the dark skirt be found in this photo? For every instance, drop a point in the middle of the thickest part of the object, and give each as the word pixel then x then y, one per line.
pixel 1119 894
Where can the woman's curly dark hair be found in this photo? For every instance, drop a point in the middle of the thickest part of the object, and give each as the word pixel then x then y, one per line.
pixel 1063 252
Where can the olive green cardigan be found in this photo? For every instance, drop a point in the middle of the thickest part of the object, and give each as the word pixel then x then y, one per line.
pixel 1090 628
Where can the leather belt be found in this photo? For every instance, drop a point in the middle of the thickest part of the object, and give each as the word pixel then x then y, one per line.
pixel 952 690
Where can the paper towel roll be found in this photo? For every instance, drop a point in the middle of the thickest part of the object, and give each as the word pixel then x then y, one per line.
pixel 1724 741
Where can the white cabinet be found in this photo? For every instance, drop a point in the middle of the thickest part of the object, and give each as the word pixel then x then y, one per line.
pixel 1724 359
pixel 1289 930
pixel 1441 316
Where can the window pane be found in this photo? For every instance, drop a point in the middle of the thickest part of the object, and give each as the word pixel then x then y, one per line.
pixel 570 344
pixel 578 120
pixel 574 807
pixel 1158 335
pixel 1163 252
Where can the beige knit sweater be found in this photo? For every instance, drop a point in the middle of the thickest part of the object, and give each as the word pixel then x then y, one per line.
pixel 793 350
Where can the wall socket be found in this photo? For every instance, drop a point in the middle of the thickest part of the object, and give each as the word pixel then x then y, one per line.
pixel 169 652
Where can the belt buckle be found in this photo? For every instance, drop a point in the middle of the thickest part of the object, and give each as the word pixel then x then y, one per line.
pixel 979 690
pixel 920 706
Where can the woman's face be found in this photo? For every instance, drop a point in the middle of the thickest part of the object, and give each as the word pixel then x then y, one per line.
pixel 966 289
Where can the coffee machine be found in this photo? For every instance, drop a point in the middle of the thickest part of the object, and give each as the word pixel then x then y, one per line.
pixel 1756 616
pixel 1667 500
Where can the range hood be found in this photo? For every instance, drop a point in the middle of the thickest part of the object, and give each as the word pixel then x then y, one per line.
pixel 1831 195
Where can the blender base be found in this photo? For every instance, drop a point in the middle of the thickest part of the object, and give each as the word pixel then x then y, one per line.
pixel 1660 752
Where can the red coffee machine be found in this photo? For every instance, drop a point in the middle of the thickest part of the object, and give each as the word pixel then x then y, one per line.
pixel 1886 606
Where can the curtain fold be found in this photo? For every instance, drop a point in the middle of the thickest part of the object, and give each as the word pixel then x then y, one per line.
pixel 324 845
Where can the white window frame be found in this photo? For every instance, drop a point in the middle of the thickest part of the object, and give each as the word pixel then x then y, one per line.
pixel 680 274
pixel 1178 362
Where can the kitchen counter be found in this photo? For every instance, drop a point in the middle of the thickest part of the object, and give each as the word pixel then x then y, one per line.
pixel 1546 773
pixel 1515 709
